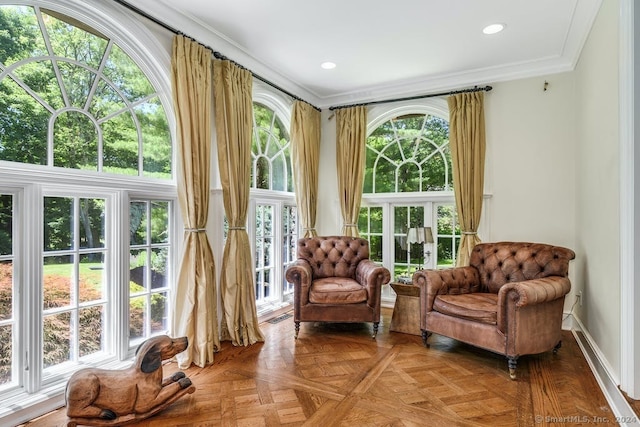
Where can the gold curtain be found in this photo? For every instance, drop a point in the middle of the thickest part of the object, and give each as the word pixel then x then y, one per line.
pixel 351 128
pixel 233 115
pixel 305 158
pixel 467 141
pixel 195 302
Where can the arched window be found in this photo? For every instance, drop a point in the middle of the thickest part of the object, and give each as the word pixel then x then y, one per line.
pixel 408 184
pixel 73 98
pixel 270 151
pixel 409 153
pixel 273 211
pixel 86 192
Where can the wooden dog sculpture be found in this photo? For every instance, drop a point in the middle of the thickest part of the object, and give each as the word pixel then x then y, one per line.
pixel 101 397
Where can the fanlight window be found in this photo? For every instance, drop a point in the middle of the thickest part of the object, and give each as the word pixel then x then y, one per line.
pixel 270 152
pixel 409 153
pixel 70 97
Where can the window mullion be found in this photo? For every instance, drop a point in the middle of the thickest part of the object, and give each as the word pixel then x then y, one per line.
pixel 31 288
pixel 118 257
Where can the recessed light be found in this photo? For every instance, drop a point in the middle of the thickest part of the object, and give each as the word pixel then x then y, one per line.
pixel 493 28
pixel 328 65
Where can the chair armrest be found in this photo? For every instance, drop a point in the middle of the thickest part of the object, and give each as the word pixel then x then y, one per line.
pixel 528 293
pixel 300 274
pixel 372 276
pixel 458 280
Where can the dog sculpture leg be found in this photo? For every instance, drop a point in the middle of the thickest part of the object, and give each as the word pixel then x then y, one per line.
pixel 173 378
pixel 164 395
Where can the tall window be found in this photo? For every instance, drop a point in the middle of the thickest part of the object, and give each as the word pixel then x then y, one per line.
pixel 149 253
pixel 408 183
pixel 86 182
pixel 273 212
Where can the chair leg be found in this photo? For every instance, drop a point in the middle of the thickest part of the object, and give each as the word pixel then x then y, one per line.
pixel 297 325
pixel 425 336
pixel 375 329
pixel 557 347
pixel 513 362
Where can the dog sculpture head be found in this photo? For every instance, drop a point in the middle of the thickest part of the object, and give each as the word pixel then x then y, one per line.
pixel 152 352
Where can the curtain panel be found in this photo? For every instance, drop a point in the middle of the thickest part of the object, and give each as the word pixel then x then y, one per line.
pixel 195 298
pixel 305 159
pixel 468 146
pixel 233 117
pixel 351 130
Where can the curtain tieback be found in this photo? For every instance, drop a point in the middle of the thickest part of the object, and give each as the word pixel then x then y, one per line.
pixel 470 232
pixel 309 229
pixel 195 230
pixel 349 225
pixel 237 228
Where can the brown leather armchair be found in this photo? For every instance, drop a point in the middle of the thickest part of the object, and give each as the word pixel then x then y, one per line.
pixel 335 281
pixel 509 300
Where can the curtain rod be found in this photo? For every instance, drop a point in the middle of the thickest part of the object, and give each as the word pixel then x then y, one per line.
pixel 216 54
pixel 432 95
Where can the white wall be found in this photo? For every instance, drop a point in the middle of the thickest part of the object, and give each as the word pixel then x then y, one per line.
pixel 530 168
pixel 597 190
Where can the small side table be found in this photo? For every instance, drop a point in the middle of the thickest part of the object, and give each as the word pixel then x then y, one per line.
pixel 406 311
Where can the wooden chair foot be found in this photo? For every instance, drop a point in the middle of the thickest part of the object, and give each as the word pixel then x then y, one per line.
pixel 557 347
pixel 513 362
pixel 297 326
pixel 425 336
pixel 375 329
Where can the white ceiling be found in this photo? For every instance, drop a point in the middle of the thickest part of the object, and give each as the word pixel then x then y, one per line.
pixel 384 48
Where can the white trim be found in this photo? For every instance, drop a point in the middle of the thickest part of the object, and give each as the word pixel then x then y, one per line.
pixel 604 375
pixel 629 294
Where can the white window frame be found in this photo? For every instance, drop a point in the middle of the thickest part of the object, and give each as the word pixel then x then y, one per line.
pixel 33 397
pixel 282 107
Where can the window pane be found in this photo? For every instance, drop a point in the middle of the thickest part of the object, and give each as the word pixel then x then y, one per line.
pixel 58 223
pixel 91 281
pixel 159 268
pixel 75 142
pixel 156 139
pixel 121 146
pixel 58 274
pixel 91 330
pixel 138 223
pixel 91 228
pixel 137 317
pixel 27 124
pixel 159 222
pixel 56 339
pixel 6 353
pixel 6 224
pixel 6 290
pixel 138 271
pixel 262 173
pixel 159 312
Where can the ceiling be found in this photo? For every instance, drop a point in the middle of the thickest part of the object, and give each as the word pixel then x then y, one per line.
pixel 384 48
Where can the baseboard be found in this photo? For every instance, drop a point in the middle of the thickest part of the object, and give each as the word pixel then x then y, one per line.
pixel 622 411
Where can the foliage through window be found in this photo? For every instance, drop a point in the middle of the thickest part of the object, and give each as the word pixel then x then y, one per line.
pixel 76 105
pixel 270 151
pixel 409 153
pixel 273 213
pixel 72 98
pixel 7 308
pixel 408 183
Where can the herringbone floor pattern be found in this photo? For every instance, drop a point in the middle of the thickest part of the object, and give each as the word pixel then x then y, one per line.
pixel 336 375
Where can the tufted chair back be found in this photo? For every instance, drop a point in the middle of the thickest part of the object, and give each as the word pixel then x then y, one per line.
pixel 333 256
pixel 504 262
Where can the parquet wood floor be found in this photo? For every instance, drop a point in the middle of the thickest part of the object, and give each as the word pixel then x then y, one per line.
pixel 336 375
